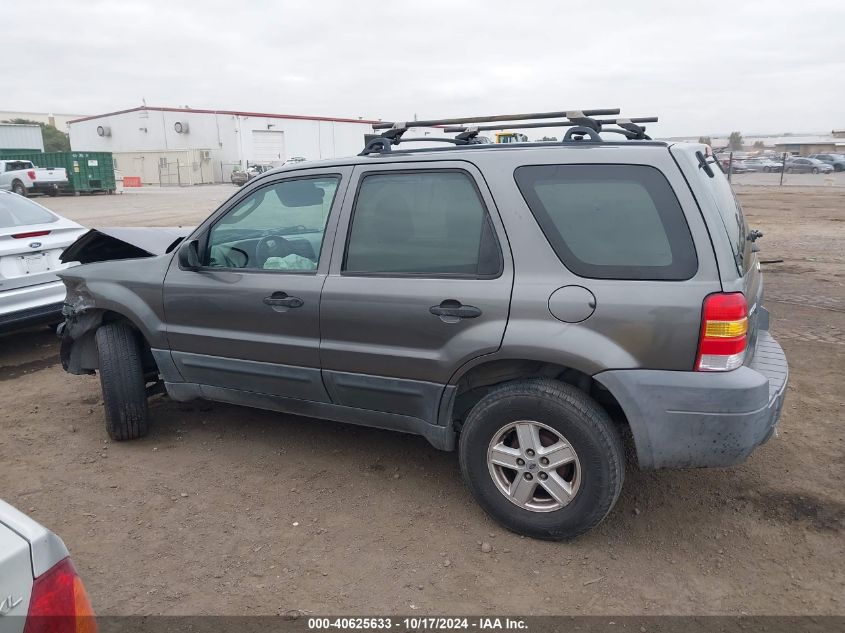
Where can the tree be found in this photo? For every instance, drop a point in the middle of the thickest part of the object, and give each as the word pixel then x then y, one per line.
pixel 54 139
pixel 705 139
pixel 735 141
pixel 758 145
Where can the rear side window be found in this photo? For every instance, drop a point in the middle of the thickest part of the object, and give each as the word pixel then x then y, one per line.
pixel 610 221
pixel 16 211
pixel 424 223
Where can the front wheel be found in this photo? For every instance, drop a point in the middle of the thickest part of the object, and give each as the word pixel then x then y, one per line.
pixel 542 458
pixel 767 169
pixel 815 170
pixel 122 381
pixel 18 188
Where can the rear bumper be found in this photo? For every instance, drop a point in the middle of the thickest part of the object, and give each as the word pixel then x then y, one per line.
pixel 25 306
pixel 685 419
pixel 54 185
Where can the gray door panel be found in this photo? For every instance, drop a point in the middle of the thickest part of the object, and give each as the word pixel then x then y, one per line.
pixel 382 325
pixel 227 328
pixel 250 375
pixel 413 398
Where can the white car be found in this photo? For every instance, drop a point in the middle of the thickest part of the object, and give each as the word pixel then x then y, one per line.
pixel 32 239
pixel 39 587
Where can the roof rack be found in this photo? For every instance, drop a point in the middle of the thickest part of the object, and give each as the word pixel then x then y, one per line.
pixel 581 122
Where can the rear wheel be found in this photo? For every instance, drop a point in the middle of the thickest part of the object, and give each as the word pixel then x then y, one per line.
pixel 542 458
pixel 122 381
pixel 18 188
pixel 789 170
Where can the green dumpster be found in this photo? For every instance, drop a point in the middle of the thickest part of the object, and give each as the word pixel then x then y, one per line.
pixel 87 172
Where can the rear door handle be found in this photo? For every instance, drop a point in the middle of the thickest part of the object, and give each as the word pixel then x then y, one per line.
pixel 283 300
pixel 455 309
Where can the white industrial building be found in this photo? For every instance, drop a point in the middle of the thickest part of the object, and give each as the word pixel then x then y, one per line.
pixel 17 136
pixel 188 146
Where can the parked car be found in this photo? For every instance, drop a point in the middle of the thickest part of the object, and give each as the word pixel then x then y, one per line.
pixel 528 305
pixel 24 178
pixel 32 239
pixel 39 587
pixel 737 166
pixel 242 176
pixel 800 165
pixel 762 164
pixel 837 161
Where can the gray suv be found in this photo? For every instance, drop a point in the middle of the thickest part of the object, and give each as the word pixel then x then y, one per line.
pixel 533 306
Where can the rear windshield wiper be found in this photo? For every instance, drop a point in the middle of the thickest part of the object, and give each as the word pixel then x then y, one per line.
pixel 703 164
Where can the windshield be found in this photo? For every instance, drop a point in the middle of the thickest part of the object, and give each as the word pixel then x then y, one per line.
pixel 17 211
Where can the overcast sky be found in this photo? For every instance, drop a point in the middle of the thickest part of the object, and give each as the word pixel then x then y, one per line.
pixel 702 67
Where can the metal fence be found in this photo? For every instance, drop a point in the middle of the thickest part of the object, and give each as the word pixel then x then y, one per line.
pixel 173 174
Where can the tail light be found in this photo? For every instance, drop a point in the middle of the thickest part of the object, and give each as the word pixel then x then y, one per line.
pixel 724 328
pixel 23 236
pixel 59 603
pixel 31 174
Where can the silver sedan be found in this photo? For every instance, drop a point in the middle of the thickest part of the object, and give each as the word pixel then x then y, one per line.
pixel 31 240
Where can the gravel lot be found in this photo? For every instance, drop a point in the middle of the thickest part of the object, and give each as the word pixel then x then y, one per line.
pixel 224 510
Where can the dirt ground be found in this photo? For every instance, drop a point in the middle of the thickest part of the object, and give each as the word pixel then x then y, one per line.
pixel 224 510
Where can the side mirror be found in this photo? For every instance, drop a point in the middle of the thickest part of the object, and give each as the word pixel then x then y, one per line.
pixel 189 256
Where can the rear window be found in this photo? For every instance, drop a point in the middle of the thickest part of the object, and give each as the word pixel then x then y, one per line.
pixel 610 221
pixel 730 211
pixel 17 165
pixel 16 211
pixel 424 223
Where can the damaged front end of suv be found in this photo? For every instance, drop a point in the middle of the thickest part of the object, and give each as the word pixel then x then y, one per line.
pixel 119 280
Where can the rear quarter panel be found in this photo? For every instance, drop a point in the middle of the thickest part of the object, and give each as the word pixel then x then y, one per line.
pixel 636 324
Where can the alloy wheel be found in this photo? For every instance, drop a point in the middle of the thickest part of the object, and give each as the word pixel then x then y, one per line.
pixel 534 466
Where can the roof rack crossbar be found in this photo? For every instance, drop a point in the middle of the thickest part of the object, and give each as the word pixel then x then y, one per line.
pixel 540 124
pixel 565 114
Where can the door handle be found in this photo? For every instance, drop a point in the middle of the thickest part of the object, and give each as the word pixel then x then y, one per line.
pixel 455 309
pixel 283 300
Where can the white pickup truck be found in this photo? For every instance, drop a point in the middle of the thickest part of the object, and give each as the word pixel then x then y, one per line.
pixel 23 178
pixel 39 588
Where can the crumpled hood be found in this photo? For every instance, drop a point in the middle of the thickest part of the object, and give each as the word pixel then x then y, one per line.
pixel 100 245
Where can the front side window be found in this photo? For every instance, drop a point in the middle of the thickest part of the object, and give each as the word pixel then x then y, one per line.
pixel 610 221
pixel 422 223
pixel 278 227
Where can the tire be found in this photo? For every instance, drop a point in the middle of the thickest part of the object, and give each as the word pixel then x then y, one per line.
pixel 767 169
pixel 815 170
pixel 122 381
pixel 837 168
pixel 18 188
pixel 789 170
pixel 578 421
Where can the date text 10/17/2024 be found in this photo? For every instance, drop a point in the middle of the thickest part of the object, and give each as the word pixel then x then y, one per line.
pixel 417 623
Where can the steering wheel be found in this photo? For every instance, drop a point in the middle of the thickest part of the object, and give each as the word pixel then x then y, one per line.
pixel 271 246
pixel 232 262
